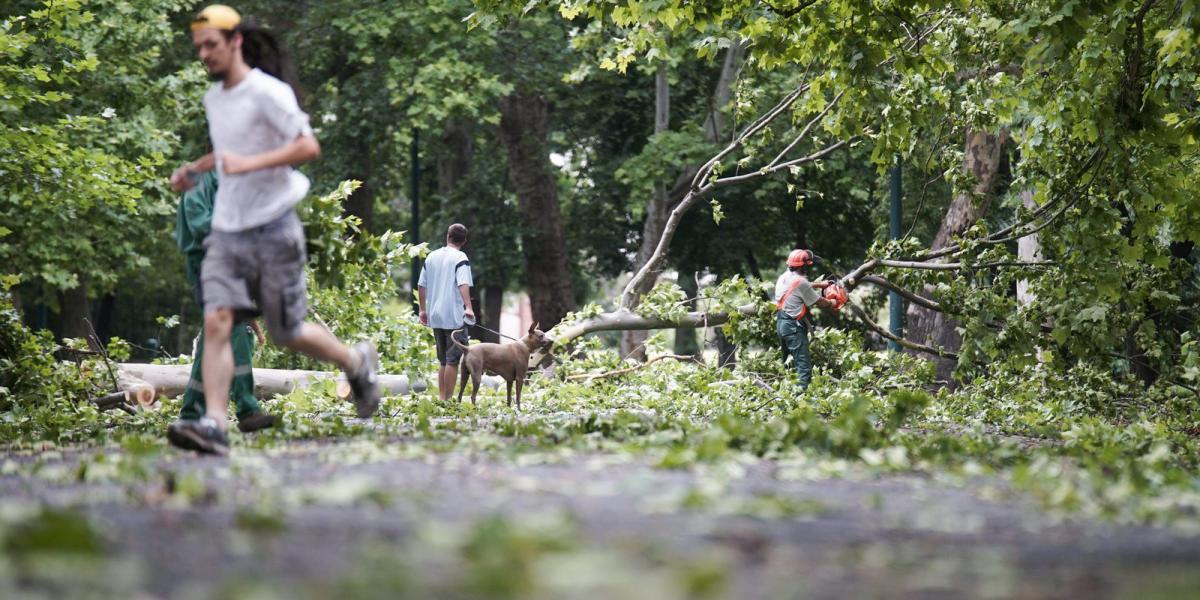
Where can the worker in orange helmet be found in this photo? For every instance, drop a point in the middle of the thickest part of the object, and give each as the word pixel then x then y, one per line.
pixel 795 296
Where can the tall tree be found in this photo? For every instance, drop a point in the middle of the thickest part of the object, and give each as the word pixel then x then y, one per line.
pixel 524 128
pixel 981 163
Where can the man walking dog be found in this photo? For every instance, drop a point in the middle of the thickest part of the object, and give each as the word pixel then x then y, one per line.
pixel 255 259
pixel 444 296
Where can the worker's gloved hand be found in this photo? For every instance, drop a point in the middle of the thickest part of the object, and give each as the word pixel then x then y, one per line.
pixel 837 295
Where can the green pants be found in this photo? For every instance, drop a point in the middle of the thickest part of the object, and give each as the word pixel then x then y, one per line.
pixel 794 336
pixel 242 390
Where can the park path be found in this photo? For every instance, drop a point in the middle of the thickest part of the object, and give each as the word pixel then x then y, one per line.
pixel 341 519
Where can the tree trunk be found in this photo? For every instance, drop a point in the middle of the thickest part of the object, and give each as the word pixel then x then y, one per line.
pixel 524 128
pixel 659 209
pixel 104 317
pixel 726 350
pixel 982 162
pixel 633 343
pixel 455 163
pixel 731 66
pixel 362 202
pixel 1028 249
pixel 75 310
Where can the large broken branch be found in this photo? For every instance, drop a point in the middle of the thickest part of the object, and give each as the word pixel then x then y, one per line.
pixel 869 322
pixel 626 320
pixel 704 185
pixel 906 294
pixel 1059 204
pixel 938 266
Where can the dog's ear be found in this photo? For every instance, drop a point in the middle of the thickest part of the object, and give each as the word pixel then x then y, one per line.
pixel 533 327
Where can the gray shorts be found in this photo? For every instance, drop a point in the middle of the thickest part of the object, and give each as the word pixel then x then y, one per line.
pixel 447 352
pixel 259 271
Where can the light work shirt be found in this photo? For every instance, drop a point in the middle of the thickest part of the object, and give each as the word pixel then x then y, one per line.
pixel 257 115
pixel 445 269
pixel 804 294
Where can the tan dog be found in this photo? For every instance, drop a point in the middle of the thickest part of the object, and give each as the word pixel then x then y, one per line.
pixel 510 361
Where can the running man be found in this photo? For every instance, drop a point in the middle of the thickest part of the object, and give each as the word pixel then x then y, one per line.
pixel 255 259
pixel 193 222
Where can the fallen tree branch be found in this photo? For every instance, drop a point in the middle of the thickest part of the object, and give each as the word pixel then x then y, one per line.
pixel 118 400
pixel 906 294
pixel 909 264
pixel 589 377
pixel 626 320
pixel 702 185
pixel 1016 230
pixel 869 322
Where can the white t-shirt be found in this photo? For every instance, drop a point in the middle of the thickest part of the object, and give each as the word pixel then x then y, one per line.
pixel 804 294
pixel 257 115
pixel 445 269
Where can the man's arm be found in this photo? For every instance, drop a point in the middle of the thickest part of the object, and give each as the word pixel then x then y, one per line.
pixel 300 150
pixel 424 316
pixel 465 291
pixel 182 178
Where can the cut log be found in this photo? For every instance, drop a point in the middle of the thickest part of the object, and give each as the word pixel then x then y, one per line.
pixel 172 380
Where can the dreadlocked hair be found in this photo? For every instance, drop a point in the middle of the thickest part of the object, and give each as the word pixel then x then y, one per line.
pixel 262 50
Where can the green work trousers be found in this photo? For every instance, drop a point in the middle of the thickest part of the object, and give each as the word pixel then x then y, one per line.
pixel 242 390
pixel 794 337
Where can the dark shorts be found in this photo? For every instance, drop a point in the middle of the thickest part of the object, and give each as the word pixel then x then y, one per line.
pixel 447 352
pixel 259 271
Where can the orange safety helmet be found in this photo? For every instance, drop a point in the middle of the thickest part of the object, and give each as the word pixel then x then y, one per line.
pixel 800 258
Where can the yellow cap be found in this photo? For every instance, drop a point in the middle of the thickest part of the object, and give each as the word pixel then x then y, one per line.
pixel 216 16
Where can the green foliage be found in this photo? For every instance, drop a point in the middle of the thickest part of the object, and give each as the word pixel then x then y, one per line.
pixel 85 120
pixel 38 392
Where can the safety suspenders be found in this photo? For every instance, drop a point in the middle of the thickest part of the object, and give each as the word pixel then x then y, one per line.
pixel 784 297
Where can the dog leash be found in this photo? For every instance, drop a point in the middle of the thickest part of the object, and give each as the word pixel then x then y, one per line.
pixel 494 331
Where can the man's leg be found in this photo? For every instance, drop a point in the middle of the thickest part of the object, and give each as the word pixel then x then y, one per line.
pixel 802 357
pixel 795 341
pixel 242 390
pixel 282 298
pixel 218 363
pixel 193 397
pixel 447 378
pixel 453 356
pixel 319 343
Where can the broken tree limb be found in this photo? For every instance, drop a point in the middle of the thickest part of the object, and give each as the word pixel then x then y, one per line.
pixel 626 320
pixel 936 266
pixel 117 400
pixel 703 185
pixel 131 392
pixel 866 319
pixel 906 294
